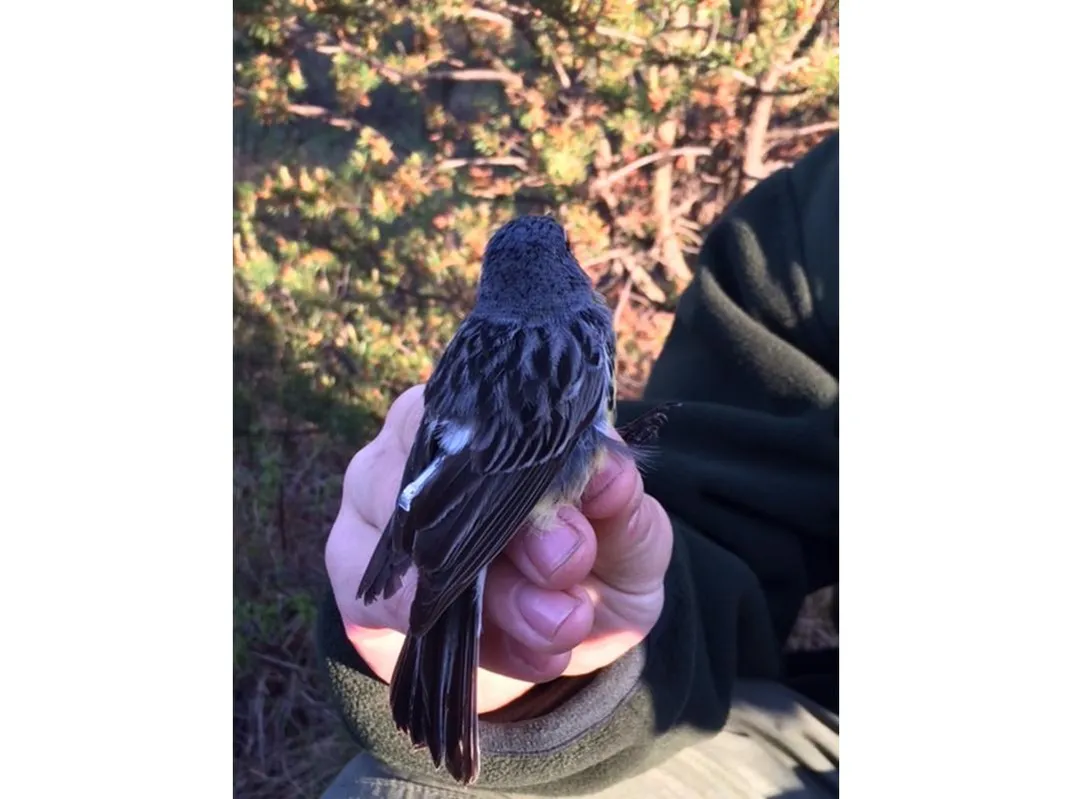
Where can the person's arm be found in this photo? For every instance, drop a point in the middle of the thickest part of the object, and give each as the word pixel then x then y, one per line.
pixel 747 469
pixel 751 459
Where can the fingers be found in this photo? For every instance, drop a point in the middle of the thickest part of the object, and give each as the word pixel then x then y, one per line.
pixel 503 656
pixel 543 620
pixel 589 588
pixel 535 614
pixel 559 557
pixel 632 529
pixel 635 548
pixel 530 631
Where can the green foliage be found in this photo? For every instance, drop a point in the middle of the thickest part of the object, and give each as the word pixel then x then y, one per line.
pixel 261 625
pixel 378 144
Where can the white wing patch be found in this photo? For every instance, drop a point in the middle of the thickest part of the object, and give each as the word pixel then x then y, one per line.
pixel 452 439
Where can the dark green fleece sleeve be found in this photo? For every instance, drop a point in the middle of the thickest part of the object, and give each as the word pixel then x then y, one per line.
pixel 747 469
pixel 751 459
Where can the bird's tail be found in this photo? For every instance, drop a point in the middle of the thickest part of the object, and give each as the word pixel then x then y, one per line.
pixel 433 690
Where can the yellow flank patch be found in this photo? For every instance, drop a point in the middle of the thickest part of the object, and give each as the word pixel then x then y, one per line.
pixel 543 515
pixel 546 510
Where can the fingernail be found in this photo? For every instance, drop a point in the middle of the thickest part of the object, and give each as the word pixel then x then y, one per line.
pixel 545 610
pixel 550 550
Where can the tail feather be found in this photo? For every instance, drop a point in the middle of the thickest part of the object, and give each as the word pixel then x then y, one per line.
pixel 433 689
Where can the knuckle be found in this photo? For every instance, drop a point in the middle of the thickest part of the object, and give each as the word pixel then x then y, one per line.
pixel 405 404
pixel 333 549
pixel 636 489
pixel 634 613
pixel 650 530
pixel 629 482
pixel 357 470
pixel 662 534
pixel 405 415
pixel 637 564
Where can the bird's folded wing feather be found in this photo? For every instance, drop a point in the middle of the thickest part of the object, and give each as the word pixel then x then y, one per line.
pixel 521 417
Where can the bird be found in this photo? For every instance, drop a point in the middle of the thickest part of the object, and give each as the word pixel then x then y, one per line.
pixel 518 416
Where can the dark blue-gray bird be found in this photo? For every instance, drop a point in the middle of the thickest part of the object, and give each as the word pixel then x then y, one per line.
pixel 518 416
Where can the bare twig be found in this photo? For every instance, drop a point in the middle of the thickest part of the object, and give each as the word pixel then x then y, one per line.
pixel 797 63
pixel 279 662
pixel 755 136
pixel 614 33
pixel 644 282
pixel 461 163
pixel 319 112
pixel 712 32
pixel 490 75
pixel 636 274
pixel 741 77
pixel 685 206
pixel 486 15
pixel 606 255
pixel 393 75
pixel 661 189
pixel 744 24
pixel 560 69
pixel 690 234
pixel 519 11
pixel 756 131
pixel 623 301
pixel 639 163
pixel 785 134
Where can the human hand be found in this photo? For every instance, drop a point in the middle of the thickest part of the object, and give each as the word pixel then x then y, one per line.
pixel 568 601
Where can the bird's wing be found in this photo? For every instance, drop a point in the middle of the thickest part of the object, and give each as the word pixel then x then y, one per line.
pixel 393 554
pixel 503 411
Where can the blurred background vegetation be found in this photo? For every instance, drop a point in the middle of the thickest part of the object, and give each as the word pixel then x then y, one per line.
pixel 377 144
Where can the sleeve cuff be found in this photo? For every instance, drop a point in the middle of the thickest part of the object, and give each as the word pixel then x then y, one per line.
pixel 651 702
